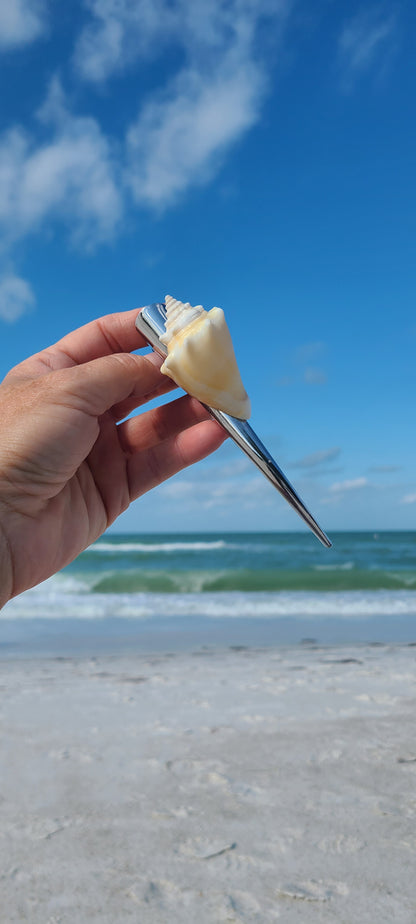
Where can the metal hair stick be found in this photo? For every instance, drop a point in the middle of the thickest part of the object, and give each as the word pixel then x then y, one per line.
pixel 151 323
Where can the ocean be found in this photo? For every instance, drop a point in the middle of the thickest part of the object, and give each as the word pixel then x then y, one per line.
pixel 170 592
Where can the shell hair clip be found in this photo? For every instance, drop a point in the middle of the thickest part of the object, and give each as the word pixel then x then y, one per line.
pixel 199 357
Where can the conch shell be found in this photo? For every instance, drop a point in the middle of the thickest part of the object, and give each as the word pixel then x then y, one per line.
pixel 201 357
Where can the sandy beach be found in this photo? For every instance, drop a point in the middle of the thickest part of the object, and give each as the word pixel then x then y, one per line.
pixel 239 785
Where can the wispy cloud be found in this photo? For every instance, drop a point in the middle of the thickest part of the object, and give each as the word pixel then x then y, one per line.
pixel 218 492
pixel 408 499
pixel 67 170
pixel 183 131
pixel 119 33
pixel 384 469
pixel 313 375
pixel 366 43
pixel 16 297
pixel 122 32
pixel 21 22
pixel 318 459
pixel 68 178
pixel 309 352
pixel 339 487
pixel 180 140
pixel 308 356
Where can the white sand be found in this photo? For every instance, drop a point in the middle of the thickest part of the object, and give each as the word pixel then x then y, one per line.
pixel 237 786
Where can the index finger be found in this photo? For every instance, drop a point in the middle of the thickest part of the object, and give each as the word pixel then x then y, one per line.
pixel 112 333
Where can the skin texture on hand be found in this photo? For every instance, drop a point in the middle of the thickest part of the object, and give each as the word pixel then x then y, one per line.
pixel 70 462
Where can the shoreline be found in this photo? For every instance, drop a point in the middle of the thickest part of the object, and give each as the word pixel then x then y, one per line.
pixel 26 637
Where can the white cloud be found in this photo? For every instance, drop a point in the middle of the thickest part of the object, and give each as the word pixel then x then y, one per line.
pixel 246 493
pixel 366 41
pixel 16 297
pixel 310 351
pixel 304 356
pixel 180 141
pixel 314 376
pixel 408 499
pixel 212 87
pixel 237 467
pixel 123 31
pixel 21 22
pixel 349 485
pixel 182 133
pixel 70 178
pixel 384 469
pixel 120 32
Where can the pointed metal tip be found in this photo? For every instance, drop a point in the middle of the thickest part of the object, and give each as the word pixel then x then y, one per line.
pixel 319 533
pixel 286 489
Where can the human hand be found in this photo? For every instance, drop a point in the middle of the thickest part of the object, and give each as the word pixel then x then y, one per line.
pixel 70 462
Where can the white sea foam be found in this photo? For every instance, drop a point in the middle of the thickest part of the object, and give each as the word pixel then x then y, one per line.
pixel 52 601
pixel 147 547
pixel 344 566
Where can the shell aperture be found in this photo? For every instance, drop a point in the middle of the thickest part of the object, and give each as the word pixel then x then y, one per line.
pixel 201 357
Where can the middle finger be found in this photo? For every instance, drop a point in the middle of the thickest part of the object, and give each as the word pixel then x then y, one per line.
pixel 153 427
pixel 156 385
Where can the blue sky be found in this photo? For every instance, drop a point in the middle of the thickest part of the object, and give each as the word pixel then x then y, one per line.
pixel 259 156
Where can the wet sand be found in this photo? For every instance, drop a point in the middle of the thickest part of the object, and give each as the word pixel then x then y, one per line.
pixel 215 786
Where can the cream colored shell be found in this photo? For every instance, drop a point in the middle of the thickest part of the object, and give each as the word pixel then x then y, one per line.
pixel 201 357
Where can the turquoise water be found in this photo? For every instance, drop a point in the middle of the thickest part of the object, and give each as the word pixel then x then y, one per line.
pixel 253 588
pixel 206 563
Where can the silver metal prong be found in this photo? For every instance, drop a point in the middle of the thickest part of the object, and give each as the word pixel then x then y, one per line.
pixel 151 323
